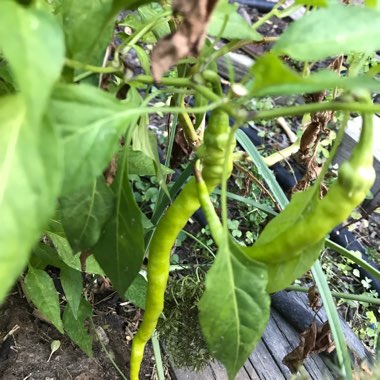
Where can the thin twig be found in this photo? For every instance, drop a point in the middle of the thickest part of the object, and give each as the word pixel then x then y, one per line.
pixel 257 181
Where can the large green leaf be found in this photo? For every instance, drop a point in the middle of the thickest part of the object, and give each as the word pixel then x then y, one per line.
pixel 88 27
pixel 32 42
pixel 30 153
pixel 85 212
pixel 227 23
pixel 281 275
pixel 39 287
pixel 30 171
pixel 273 77
pixel 91 123
pixel 293 264
pixel 143 165
pixel 75 326
pixel 120 249
pixel 293 212
pixel 234 309
pixel 89 24
pixel 350 29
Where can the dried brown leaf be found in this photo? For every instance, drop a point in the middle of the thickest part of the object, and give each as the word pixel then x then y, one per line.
pixel 323 341
pixel 312 341
pixel 314 298
pixel 294 359
pixel 189 37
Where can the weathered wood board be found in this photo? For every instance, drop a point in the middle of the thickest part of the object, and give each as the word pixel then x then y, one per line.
pixel 290 314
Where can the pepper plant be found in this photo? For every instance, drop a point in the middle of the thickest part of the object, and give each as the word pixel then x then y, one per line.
pixel 68 150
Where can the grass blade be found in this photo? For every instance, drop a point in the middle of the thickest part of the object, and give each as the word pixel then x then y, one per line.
pixel 263 169
pixel 158 357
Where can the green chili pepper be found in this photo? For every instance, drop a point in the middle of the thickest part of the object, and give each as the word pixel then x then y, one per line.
pixel 212 218
pixel 355 179
pixel 213 154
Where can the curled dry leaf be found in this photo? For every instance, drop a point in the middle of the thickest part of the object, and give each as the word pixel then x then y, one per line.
pixel 312 341
pixel 314 298
pixel 189 37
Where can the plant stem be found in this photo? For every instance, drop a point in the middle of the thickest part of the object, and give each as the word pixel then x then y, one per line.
pixel 199 242
pixel 346 296
pixel 241 113
pixel 187 125
pixel 94 69
pixel 264 19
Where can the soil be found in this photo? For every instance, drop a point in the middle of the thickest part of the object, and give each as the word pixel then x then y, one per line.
pixel 24 354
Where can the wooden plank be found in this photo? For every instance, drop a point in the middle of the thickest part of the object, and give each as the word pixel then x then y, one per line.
pixel 290 315
pixel 314 364
pixel 187 374
pixel 265 362
pixel 293 306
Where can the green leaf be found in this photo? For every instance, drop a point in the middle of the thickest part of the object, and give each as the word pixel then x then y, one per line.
pixel 234 309
pixel 120 249
pixel 350 29
pixel 148 13
pixel 40 289
pixel 130 4
pixel 144 141
pixel 67 255
pixel 136 293
pixel 88 27
pixel 72 284
pixel 30 172
pixel 85 212
pixel 134 22
pixel 91 123
pixel 284 221
pixel 273 77
pixel 141 164
pixel 44 255
pixel 7 85
pixel 30 153
pixel 281 275
pixel 227 23
pixel 75 327
pixel 32 42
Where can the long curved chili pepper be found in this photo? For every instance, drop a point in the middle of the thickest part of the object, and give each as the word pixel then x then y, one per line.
pixel 213 153
pixel 355 179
